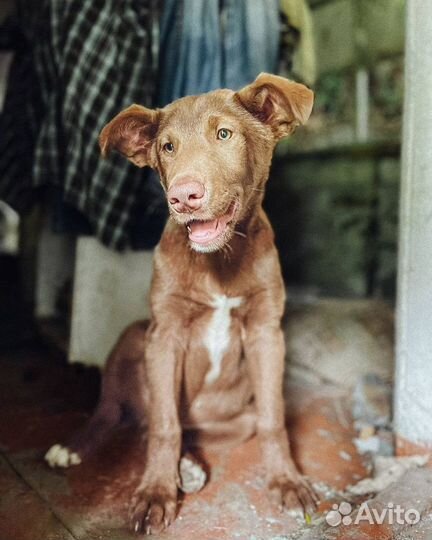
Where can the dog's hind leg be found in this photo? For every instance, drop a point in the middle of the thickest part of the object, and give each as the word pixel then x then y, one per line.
pixel 97 429
pixel 123 389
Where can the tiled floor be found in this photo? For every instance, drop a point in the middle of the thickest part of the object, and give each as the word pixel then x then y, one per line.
pixel 42 400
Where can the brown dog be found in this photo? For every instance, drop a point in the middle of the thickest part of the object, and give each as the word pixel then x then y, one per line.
pixel 213 353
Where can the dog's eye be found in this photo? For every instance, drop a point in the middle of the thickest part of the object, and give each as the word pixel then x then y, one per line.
pixel 168 147
pixel 224 134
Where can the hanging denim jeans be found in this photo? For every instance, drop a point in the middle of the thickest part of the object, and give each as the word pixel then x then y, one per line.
pixel 209 44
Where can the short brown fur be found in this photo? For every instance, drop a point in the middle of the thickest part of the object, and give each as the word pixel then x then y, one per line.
pixel 157 370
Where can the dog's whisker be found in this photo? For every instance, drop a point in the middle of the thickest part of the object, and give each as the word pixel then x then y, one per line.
pixel 240 234
pixel 227 251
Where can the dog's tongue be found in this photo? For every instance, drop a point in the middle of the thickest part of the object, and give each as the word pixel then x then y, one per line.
pixel 203 231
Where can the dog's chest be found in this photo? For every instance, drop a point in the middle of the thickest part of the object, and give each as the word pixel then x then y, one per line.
pixel 216 336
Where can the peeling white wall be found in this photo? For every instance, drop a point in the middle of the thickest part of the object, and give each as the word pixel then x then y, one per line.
pixel 413 396
pixel 110 291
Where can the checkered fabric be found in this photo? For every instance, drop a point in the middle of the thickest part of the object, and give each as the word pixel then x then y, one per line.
pixel 85 61
pixel 92 59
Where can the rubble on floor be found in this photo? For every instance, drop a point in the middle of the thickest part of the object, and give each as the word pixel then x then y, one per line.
pixel 386 471
pixel 330 408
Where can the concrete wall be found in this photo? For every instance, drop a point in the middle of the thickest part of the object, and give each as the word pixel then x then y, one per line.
pixel 413 398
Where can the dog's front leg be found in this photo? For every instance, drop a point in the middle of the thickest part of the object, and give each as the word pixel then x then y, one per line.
pixel 155 503
pixel 265 353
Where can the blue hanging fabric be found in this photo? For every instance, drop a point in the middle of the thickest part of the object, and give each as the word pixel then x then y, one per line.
pixel 207 44
pixel 251 40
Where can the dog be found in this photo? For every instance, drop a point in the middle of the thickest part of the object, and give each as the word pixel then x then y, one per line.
pixel 211 358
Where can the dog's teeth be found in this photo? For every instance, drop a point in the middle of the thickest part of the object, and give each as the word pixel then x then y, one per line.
pixel 188 227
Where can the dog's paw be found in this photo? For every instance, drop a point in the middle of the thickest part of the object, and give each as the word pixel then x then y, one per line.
pixel 192 475
pixel 61 456
pixel 153 509
pixel 293 493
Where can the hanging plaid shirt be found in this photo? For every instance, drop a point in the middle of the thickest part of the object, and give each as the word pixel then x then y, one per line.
pixel 92 59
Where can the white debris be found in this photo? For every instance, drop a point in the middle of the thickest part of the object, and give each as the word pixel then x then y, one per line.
pixel 386 471
pixel 61 456
pixel 192 475
pixel 344 455
pixel 365 430
pixel 372 445
pixel 326 491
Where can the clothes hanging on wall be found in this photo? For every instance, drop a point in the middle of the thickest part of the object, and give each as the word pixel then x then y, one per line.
pixel 89 59
pixel 92 58
pixel 210 44
pixel 21 115
pixel 303 57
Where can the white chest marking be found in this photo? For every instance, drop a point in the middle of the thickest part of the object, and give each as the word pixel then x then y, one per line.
pixel 217 337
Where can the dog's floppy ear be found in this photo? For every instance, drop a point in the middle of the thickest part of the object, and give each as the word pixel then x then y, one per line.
pixel 131 133
pixel 278 102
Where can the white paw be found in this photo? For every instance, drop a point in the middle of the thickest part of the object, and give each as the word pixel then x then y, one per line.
pixel 192 476
pixel 61 456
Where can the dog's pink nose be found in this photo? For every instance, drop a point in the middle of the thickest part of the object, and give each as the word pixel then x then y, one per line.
pixel 186 195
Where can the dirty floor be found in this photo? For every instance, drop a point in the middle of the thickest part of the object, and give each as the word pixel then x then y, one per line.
pixel 43 400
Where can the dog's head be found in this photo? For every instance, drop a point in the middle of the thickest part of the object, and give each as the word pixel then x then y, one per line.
pixel 212 151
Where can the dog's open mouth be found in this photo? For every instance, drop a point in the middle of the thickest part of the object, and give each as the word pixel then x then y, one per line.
pixel 207 231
